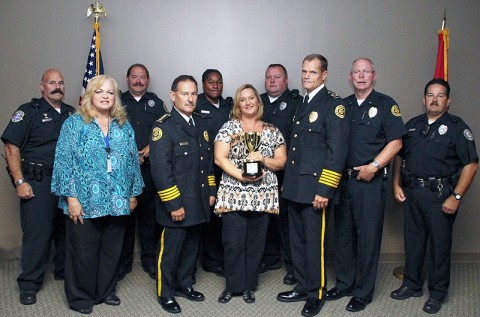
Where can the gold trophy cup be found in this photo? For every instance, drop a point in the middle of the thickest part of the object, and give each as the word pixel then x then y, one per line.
pixel 251 141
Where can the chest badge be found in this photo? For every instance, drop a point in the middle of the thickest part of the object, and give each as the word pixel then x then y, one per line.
pixel 283 105
pixel 372 112
pixel 18 116
pixel 45 118
pixel 205 136
pixel 313 116
pixel 442 129
pixel 156 134
pixel 151 103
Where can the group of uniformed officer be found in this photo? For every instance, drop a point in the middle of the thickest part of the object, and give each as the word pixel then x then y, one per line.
pixel 434 169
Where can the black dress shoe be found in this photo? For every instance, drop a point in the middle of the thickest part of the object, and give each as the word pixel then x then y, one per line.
pixel 28 297
pixel 357 304
pixel 404 292
pixel 85 311
pixel 335 293
pixel 291 296
pixel 218 270
pixel 112 300
pixel 169 304
pixel 248 297
pixel 264 267
pixel 432 306
pixel 190 294
pixel 225 297
pixel 289 279
pixel 312 307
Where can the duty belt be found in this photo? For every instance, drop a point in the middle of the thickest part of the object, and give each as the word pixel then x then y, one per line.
pixel 431 182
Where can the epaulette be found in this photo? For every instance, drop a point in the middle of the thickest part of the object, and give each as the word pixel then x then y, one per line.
pixel 332 94
pixel 454 118
pixel 200 115
pixel 164 118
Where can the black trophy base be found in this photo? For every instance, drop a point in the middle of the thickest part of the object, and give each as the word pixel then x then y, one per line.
pixel 252 169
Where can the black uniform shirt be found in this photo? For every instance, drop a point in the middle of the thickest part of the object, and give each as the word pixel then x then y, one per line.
pixel 280 112
pixel 43 136
pixel 439 149
pixel 215 117
pixel 142 115
pixel 376 122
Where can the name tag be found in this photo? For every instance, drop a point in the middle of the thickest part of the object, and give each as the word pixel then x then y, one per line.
pixel 46 119
pixel 183 143
pixel 205 111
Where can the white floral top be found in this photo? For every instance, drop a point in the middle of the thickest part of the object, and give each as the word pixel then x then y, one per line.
pixel 260 196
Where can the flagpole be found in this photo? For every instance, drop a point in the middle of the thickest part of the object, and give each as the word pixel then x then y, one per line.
pixel 97 10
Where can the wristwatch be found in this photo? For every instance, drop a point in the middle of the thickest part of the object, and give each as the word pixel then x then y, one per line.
pixel 19 182
pixel 376 164
pixel 457 196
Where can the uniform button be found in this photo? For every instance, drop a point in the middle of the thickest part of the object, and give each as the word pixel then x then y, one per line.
pixel 293 162
pixel 293 149
pixel 295 135
pixel 314 174
pixel 185 153
pixel 309 130
pixel 203 185
pixel 201 171
pixel 298 122
pixel 201 158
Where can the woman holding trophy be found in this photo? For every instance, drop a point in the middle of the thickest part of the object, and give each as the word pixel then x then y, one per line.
pixel 249 151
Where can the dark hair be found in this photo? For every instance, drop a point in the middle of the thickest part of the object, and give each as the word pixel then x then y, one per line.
pixel 138 65
pixel 281 66
pixel 208 72
pixel 438 81
pixel 323 60
pixel 182 78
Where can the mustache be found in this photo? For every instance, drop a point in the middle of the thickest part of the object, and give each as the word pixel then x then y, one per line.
pixel 57 91
pixel 138 84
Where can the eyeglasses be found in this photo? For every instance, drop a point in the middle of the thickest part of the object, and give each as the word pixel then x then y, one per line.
pixel 357 72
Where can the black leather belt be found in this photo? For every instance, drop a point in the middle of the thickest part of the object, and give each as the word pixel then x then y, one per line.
pixel 431 182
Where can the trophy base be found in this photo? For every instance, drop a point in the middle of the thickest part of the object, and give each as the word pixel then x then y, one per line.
pixel 252 169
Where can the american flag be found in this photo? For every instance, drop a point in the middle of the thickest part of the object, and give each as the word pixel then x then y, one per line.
pixel 90 69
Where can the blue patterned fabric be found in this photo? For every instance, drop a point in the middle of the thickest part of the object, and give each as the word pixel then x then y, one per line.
pixel 80 168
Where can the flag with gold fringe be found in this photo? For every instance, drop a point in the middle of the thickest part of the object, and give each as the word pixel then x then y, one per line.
pixel 441 68
pixel 94 61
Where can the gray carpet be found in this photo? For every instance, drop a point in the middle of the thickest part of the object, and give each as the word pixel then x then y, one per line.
pixel 137 292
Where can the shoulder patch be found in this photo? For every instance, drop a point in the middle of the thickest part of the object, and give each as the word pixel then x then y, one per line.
pixel 395 111
pixel 332 94
pixel 156 134
pixel 18 116
pixel 340 111
pixel 468 134
pixel 164 118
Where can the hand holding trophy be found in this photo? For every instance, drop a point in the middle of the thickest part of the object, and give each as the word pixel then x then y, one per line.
pixel 252 140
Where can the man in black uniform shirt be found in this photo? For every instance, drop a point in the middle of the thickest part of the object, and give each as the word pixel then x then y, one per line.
pixel 216 111
pixel 182 170
pixel 30 139
pixel 376 130
pixel 143 108
pixel 315 162
pixel 440 161
pixel 279 108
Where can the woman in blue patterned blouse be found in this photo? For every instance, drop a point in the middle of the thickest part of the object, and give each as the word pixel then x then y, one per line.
pixel 97 176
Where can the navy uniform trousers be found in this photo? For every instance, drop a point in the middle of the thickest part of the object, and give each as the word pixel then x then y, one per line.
pixel 358 234
pixel 41 220
pixel 424 218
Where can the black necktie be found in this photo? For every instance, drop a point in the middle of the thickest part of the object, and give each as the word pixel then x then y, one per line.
pixel 190 122
pixel 305 100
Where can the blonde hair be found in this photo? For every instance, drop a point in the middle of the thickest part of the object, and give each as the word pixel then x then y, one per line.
pixel 236 114
pixel 87 110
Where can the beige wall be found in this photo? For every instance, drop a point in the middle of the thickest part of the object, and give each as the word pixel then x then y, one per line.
pixel 241 38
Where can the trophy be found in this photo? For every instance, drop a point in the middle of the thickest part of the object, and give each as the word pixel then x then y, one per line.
pixel 251 140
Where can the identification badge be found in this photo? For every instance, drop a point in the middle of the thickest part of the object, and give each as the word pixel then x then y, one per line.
pixel 109 164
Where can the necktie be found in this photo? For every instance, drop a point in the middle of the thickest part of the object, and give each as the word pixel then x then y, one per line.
pixel 305 100
pixel 190 122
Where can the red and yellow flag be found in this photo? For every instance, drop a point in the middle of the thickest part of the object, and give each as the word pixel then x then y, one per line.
pixel 441 69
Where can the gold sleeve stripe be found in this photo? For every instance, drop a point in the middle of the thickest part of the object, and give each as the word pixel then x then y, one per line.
pixel 211 180
pixel 330 178
pixel 169 193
